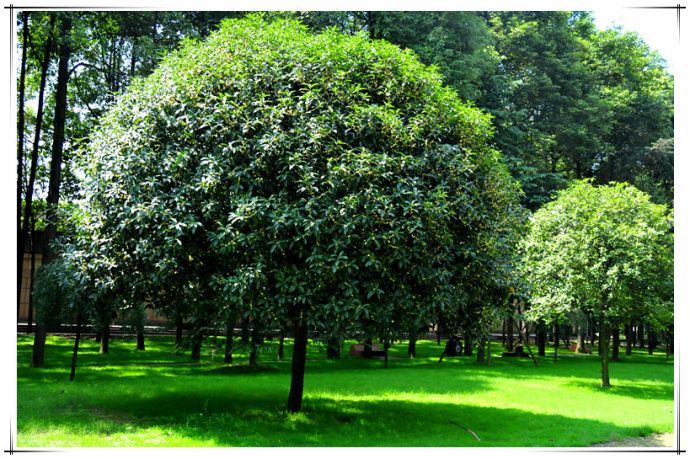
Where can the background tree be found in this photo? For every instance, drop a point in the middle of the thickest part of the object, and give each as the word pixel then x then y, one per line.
pixel 607 249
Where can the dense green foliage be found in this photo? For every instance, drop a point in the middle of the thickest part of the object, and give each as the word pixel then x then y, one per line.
pixel 291 178
pixel 606 250
pixel 156 398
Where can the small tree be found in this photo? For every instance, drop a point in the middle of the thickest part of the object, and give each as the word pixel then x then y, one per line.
pixel 604 249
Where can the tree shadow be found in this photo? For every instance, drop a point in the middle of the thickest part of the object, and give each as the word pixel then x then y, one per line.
pixel 261 420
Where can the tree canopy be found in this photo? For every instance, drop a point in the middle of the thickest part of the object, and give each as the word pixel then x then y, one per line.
pixel 308 182
pixel 605 249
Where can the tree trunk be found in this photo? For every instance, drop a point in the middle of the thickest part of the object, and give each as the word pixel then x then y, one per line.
pixel 503 333
pixel 32 271
pixel 38 351
pixel 556 330
pixel 467 348
pixel 105 340
pixel 196 347
pixel 651 340
pixel 616 343
pixel 140 341
pixel 28 198
pixel 73 370
pixel 633 334
pixel 412 345
pixel 628 339
pixel 228 343
pixel 58 139
pixel 541 338
pixel 333 346
pixel 281 346
pixel 604 335
pixel 98 337
pixel 481 349
pixel 20 154
pixel 299 358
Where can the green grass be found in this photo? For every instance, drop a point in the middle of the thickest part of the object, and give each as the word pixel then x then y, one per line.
pixel 157 398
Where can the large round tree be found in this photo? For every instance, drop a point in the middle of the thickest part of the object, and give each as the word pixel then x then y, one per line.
pixel 607 250
pixel 311 183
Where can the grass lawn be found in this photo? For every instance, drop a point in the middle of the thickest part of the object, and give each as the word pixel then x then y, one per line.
pixel 157 398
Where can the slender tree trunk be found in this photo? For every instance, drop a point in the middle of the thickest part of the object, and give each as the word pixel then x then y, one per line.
pixel 76 349
pixel 556 330
pixel 228 343
pixel 615 355
pixel 98 337
pixel 412 345
pixel 541 338
pixel 633 334
pixel 58 138
pixel 38 351
pixel 196 346
pixel 299 359
pixel 140 341
pixel 503 333
pixel 628 339
pixel 31 274
pixel 651 340
pixel 604 336
pixel 20 156
pixel 105 340
pixel 281 346
pixel 510 333
pixel 28 198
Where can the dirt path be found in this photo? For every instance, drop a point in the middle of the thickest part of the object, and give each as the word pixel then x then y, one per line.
pixel 655 440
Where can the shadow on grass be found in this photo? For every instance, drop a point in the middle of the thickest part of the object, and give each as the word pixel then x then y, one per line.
pixel 260 420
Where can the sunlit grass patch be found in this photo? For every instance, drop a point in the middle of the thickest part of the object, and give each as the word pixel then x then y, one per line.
pixel 159 398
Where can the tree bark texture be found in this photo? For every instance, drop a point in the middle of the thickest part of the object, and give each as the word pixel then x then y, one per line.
pixel 541 338
pixel 299 359
pixel 281 346
pixel 196 346
pixel 481 349
pixel 256 342
pixel 58 139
